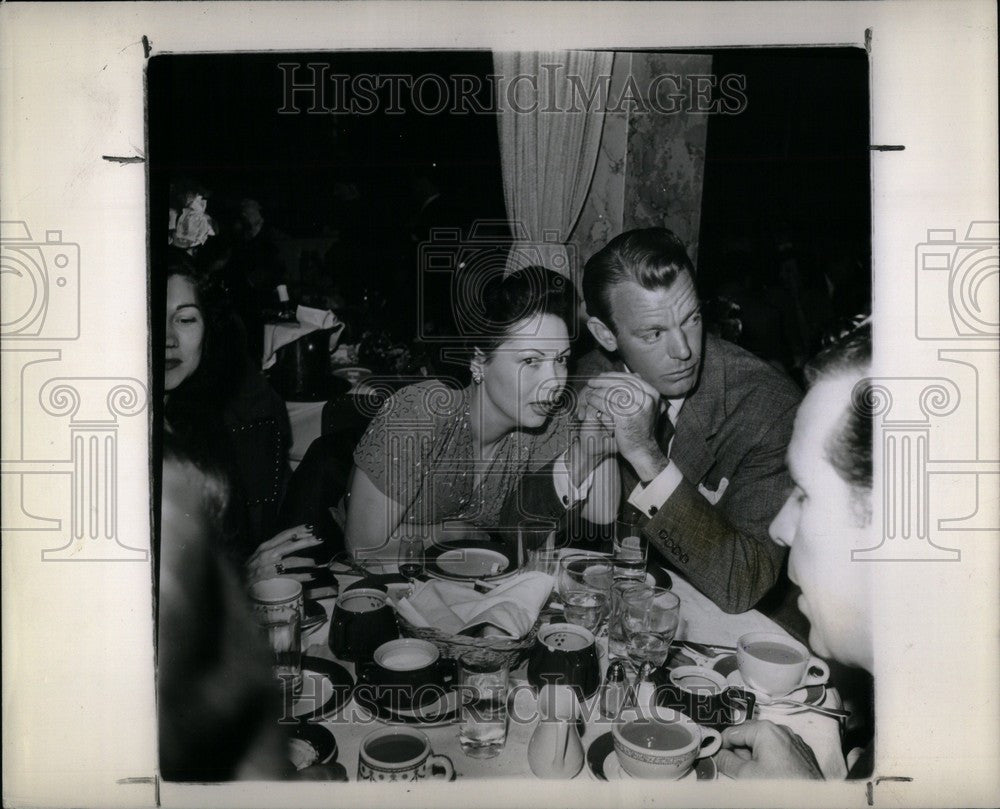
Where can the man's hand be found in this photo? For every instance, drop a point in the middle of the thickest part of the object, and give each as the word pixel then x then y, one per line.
pixel 632 405
pixel 761 749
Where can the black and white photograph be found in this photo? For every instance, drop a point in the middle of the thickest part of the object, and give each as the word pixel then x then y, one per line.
pixel 497 414
pixel 512 345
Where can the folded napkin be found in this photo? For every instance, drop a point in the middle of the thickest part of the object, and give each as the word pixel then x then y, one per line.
pixel 511 608
pixel 277 335
pixel 320 318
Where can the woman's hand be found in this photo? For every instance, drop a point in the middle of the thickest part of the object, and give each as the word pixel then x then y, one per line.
pixel 273 556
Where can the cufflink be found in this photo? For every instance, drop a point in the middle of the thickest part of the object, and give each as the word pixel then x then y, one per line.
pixel 565 499
pixel 652 510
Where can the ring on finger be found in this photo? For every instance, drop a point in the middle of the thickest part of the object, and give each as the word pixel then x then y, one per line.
pixel 279 568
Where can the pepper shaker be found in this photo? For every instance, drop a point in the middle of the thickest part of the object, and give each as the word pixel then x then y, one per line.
pixel 615 690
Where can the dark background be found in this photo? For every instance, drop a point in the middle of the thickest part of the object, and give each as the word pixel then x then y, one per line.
pixel 785 180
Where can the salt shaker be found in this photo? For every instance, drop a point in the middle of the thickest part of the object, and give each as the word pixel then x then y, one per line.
pixel 645 688
pixel 615 690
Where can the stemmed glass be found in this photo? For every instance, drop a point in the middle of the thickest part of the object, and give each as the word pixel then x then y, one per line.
pixel 411 557
pixel 650 616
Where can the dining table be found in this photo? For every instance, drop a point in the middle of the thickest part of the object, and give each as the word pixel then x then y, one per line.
pixel 700 621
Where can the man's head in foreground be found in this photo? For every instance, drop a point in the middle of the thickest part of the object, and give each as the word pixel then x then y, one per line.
pixel 829 512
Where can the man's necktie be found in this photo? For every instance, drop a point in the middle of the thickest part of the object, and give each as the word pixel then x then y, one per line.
pixel 664 430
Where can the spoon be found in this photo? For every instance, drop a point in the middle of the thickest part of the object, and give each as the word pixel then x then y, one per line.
pixel 837 713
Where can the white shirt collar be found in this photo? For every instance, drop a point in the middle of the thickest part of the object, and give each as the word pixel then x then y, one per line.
pixel 673 405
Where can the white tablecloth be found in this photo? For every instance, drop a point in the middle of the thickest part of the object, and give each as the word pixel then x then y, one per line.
pixel 701 620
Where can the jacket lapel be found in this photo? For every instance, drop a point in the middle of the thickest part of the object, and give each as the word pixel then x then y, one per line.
pixel 701 416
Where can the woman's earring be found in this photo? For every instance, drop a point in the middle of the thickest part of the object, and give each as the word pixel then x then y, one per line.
pixel 477 377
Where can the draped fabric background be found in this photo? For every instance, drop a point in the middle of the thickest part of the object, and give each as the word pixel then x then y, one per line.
pixel 549 140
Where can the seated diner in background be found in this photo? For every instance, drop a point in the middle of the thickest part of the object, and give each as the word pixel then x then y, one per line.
pixel 214 399
pixel 826 517
pixel 446 462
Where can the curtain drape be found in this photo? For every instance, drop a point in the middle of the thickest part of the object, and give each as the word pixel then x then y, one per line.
pixel 549 139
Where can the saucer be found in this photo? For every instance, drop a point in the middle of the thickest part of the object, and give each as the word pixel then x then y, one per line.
pixel 443 711
pixel 602 760
pixel 313 615
pixel 812 695
pixel 325 687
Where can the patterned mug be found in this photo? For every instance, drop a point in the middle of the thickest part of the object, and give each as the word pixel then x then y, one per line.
pixel 401 754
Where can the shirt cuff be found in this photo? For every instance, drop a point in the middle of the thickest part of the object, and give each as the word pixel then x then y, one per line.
pixel 567 493
pixel 650 498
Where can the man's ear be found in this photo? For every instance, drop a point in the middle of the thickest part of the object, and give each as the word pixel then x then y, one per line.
pixel 602 334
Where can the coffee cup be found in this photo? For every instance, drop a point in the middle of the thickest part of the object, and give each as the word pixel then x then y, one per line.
pixel 407 673
pixel 565 654
pixel 705 695
pixel 275 598
pixel 399 753
pixel 661 743
pixel 776 664
pixel 362 620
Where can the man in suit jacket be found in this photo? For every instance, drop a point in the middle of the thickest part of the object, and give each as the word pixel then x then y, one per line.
pixel 701 425
pixel 707 493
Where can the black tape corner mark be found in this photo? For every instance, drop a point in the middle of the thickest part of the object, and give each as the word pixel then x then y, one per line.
pixel 870 788
pixel 147 46
pixel 123 160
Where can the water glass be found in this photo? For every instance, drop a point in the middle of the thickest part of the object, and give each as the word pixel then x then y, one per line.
pixel 277 609
pixel 533 536
pixel 483 681
pixel 585 608
pixel 630 551
pixel 616 629
pixel 411 557
pixel 284 636
pixel 543 560
pixel 581 571
pixel 650 618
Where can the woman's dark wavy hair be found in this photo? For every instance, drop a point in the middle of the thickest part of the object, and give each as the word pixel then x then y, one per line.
pixel 524 294
pixel 202 397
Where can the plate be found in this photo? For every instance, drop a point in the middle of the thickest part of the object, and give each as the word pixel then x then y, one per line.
pixel 310 744
pixel 468 561
pixel 604 765
pixel 809 695
pixel 443 712
pixel 326 686
pixel 472 563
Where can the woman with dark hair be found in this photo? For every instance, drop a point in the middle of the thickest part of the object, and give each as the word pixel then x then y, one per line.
pixel 214 399
pixel 448 459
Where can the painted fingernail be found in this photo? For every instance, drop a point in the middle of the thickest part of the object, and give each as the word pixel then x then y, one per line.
pixel 308 526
